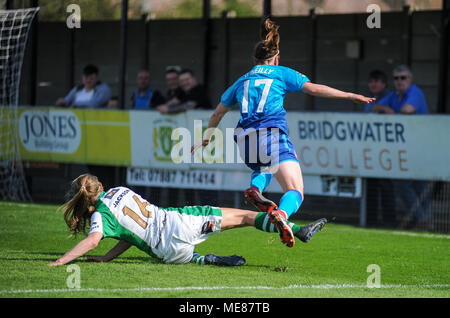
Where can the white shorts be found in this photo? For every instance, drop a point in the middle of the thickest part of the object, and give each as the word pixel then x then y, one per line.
pixel 186 227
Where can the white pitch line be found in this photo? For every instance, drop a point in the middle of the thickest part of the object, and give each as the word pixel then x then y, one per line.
pixel 443 236
pixel 404 233
pixel 208 288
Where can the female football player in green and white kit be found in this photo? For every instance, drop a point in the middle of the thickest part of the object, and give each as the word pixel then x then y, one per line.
pixel 169 234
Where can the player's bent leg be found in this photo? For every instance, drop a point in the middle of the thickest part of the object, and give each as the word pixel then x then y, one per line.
pixel 289 176
pixel 255 197
pixel 259 182
pixel 232 218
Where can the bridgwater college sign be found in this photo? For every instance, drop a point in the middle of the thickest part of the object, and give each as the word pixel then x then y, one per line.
pixel 363 145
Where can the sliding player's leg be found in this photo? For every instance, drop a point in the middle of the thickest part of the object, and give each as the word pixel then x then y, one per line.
pixel 186 227
pixel 232 218
pixel 213 259
pixel 304 233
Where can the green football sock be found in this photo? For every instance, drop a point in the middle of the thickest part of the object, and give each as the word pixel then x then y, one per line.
pixel 262 223
pixel 198 259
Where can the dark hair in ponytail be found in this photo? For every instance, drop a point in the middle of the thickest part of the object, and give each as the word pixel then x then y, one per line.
pixel 268 47
pixel 78 209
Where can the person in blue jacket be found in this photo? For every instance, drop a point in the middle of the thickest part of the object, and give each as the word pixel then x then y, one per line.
pixel 91 94
pixel 260 94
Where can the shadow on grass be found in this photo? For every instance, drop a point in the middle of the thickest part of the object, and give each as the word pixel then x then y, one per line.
pixel 83 259
pixel 27 256
pixel 270 268
pixel 119 260
pixel 136 260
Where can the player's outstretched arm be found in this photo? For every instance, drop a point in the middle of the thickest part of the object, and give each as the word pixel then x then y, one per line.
pixel 329 92
pixel 117 250
pixel 84 246
pixel 214 121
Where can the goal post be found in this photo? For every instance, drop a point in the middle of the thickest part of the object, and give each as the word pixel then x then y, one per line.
pixel 14 29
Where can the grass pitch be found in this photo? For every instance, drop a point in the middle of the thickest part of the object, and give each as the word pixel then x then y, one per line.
pixel 333 264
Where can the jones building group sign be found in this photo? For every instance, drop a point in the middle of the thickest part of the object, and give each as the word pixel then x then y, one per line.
pixel 53 131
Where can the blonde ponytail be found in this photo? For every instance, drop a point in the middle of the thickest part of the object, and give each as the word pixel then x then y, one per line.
pixel 78 209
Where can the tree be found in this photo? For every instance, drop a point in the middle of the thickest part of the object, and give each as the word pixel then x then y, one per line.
pixel 90 10
pixel 189 9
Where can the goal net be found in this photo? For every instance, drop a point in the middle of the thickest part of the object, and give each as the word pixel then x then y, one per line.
pixel 14 28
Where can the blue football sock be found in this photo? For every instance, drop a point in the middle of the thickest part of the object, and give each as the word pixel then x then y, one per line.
pixel 290 202
pixel 260 180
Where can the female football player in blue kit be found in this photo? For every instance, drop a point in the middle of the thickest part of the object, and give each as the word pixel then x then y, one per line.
pixel 260 94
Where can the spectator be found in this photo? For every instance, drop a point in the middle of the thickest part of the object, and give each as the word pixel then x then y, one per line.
pixel 195 92
pixel 91 94
pixel 380 191
pixel 145 97
pixel 113 103
pixel 174 89
pixel 407 98
pixel 195 95
pixel 377 87
pixel 185 93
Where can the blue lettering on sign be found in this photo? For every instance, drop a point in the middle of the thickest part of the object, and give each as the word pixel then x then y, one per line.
pixel 62 126
pixel 354 131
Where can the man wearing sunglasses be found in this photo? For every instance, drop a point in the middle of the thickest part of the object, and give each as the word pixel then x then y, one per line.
pixel 406 98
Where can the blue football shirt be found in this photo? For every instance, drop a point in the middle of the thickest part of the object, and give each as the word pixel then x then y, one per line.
pixel 260 94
